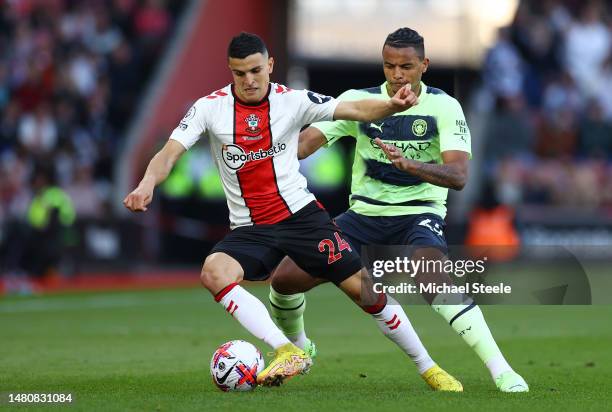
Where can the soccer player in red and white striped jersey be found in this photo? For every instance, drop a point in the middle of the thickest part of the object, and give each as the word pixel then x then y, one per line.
pixel 253 127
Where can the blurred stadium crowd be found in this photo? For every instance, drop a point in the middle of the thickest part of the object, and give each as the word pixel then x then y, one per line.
pixel 71 72
pixel 548 103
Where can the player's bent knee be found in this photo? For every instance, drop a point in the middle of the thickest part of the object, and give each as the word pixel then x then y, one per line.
pixel 289 279
pixel 214 279
pixel 208 278
pixel 360 289
pixel 287 284
pixel 282 285
pixel 219 271
pixel 352 286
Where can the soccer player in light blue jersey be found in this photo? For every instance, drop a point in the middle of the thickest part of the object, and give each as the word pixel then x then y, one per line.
pixel 403 168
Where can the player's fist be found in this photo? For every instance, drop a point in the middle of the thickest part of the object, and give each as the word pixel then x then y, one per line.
pixel 139 199
pixel 404 99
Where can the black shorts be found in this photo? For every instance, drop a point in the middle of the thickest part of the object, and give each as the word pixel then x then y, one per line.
pixel 426 230
pixel 309 237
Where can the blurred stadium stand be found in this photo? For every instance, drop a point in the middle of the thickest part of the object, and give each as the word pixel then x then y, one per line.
pixel 71 74
pixel 548 133
pixel 91 89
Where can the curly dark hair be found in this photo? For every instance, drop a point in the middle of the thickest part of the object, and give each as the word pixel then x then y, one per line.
pixel 406 37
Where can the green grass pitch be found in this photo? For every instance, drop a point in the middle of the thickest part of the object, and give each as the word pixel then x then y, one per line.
pixel 150 351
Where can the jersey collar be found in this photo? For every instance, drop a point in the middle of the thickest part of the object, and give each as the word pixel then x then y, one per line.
pixel 259 103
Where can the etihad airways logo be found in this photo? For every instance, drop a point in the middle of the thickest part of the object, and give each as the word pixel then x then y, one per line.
pixel 235 157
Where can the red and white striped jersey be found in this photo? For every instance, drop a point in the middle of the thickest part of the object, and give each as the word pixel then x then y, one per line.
pixel 255 148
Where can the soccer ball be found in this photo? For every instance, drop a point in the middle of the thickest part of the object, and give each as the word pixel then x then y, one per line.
pixel 234 366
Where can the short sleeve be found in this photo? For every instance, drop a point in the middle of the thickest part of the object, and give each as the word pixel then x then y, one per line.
pixel 337 129
pixel 453 129
pixel 315 107
pixel 191 126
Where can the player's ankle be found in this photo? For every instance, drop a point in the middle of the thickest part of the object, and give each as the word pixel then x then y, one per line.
pixel 299 339
pixel 498 365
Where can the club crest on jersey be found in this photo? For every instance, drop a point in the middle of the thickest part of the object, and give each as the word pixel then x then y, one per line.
pixel 419 127
pixel 252 122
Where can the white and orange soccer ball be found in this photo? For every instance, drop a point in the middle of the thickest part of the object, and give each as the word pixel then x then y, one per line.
pixel 235 365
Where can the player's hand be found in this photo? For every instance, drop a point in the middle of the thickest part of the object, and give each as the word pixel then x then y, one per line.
pixel 404 99
pixel 140 198
pixel 394 154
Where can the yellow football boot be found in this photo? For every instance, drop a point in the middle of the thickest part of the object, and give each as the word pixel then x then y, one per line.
pixel 440 380
pixel 288 362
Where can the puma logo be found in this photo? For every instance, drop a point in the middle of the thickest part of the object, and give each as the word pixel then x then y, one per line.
pixel 375 126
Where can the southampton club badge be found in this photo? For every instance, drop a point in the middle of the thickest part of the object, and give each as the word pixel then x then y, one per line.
pixel 252 122
pixel 419 127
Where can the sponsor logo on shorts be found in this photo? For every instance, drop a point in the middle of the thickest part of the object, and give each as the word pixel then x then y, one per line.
pixel 235 157
pixel 435 228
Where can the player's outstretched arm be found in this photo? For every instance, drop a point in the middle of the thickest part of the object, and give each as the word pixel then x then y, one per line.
pixel 158 170
pixel 311 139
pixel 368 110
pixel 451 174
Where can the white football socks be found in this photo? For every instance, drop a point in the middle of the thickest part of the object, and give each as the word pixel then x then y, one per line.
pixel 468 321
pixel 299 340
pixel 394 324
pixel 252 314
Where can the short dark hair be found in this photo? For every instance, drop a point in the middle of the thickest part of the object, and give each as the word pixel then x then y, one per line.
pixel 406 37
pixel 245 44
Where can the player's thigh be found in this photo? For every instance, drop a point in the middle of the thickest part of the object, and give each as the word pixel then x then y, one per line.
pixel 424 236
pixel 434 260
pixel 424 230
pixel 288 278
pixel 252 248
